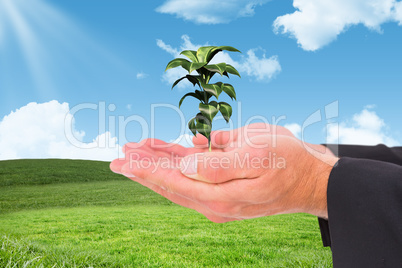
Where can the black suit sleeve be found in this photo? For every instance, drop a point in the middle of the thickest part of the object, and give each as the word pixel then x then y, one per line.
pixel 364 227
pixel 379 152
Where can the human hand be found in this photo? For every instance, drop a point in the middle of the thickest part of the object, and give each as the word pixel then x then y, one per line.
pixel 225 193
pixel 154 150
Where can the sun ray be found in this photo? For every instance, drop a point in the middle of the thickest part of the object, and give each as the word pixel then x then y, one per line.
pixel 52 44
pixel 1 23
pixel 30 47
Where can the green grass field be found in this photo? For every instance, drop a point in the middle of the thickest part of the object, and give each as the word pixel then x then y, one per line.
pixel 71 213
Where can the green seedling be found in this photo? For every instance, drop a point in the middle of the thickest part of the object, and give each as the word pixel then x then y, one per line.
pixel 199 62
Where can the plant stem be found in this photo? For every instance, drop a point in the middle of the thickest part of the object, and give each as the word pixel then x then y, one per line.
pixel 205 97
pixel 209 143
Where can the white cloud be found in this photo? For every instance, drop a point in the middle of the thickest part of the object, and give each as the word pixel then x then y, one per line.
pixel 370 106
pixel 366 128
pixel 263 69
pixel 171 75
pixel 398 12
pixel 316 23
pixel 38 131
pixel 168 48
pixel 141 75
pixel 185 140
pixel 294 128
pixel 210 11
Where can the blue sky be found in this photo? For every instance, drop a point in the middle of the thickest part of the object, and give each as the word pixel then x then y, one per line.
pixel 297 58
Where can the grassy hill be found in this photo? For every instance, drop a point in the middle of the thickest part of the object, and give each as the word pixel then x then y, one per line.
pixel 54 171
pixel 73 213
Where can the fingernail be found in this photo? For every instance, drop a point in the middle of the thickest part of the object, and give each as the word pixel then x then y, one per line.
pixel 125 170
pixel 188 166
pixel 117 172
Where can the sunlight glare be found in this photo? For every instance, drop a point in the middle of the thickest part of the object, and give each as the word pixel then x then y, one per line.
pixel 29 44
pixel 1 22
pixel 50 41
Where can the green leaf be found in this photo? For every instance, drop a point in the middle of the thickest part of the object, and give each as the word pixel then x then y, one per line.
pixel 214 89
pixel 195 66
pixel 226 110
pixel 209 110
pixel 227 48
pixel 204 129
pixel 178 62
pixel 192 127
pixel 203 53
pixel 229 89
pixel 199 62
pixel 200 95
pixel 193 79
pixel 218 68
pixel 232 70
pixel 202 119
pixel 216 50
pixel 189 94
pixel 191 54
pixel 203 72
pixel 215 104
pixel 177 81
pixel 203 126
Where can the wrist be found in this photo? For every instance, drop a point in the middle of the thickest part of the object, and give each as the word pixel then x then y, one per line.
pixel 319 177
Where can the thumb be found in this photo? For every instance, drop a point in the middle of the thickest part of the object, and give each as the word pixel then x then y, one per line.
pixel 218 167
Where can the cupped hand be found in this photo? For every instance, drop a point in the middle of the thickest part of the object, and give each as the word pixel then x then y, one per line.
pixel 264 175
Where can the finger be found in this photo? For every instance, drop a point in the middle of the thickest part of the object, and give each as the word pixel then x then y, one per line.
pixel 228 139
pixel 148 143
pixel 175 150
pixel 134 155
pixel 117 164
pixel 155 145
pixel 248 132
pixel 175 153
pixel 138 154
pixel 154 156
pixel 219 167
pixel 169 177
pixel 219 139
pixel 145 143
